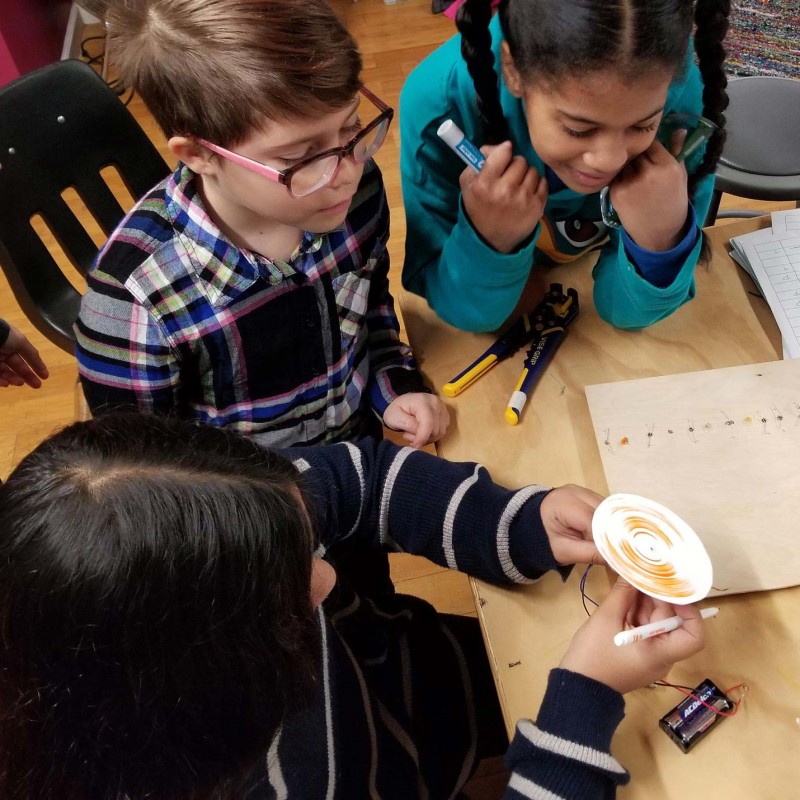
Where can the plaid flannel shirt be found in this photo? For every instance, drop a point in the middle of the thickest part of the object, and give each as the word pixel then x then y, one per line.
pixel 178 320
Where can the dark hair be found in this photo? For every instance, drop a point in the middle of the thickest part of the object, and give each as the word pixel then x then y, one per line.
pixel 156 615
pixel 550 38
pixel 218 69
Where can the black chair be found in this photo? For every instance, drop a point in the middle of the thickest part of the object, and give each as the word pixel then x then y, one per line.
pixel 59 126
pixel 761 158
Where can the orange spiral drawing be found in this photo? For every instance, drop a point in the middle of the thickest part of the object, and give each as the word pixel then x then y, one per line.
pixel 652 548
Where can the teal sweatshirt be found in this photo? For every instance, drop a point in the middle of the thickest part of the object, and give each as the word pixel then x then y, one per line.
pixel 471 285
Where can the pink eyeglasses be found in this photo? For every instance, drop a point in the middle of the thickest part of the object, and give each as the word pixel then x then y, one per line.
pixel 314 172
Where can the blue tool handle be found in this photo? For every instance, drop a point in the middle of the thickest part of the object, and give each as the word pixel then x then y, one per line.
pixel 535 363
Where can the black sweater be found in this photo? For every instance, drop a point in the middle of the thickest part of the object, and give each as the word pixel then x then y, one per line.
pixel 394 717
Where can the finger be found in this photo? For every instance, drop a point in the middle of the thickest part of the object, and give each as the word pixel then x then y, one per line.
pixel 400 420
pixel 497 161
pixel 641 611
pixel 657 153
pixel 32 357
pixel 659 610
pixel 619 601
pixel 583 552
pixel 10 376
pixel 687 640
pixel 531 182
pixel 467 178
pixel 516 171
pixel 678 141
pixel 542 190
pixel 23 371
pixel 424 429
pixel 598 560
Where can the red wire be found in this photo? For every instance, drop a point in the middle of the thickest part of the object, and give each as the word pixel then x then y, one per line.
pixel 717 711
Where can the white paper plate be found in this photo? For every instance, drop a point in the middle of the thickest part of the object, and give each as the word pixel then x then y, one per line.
pixel 652 548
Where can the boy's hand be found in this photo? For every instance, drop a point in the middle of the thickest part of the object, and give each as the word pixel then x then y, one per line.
pixel 593 653
pixel 20 362
pixel 567 517
pixel 422 416
pixel 651 197
pixel 505 200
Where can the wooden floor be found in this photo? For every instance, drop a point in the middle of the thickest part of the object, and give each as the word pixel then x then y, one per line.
pixel 393 39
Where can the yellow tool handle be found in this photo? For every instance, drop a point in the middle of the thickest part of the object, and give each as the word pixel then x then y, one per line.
pixel 468 376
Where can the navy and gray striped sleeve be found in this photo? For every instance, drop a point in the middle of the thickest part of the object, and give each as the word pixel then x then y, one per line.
pixel 407 500
pixel 565 753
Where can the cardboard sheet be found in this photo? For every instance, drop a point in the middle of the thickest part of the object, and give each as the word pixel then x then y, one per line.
pixel 721 448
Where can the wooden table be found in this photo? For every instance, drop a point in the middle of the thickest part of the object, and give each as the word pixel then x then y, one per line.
pixel 755 639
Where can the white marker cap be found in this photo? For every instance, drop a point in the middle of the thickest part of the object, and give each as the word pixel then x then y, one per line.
pixel 450 133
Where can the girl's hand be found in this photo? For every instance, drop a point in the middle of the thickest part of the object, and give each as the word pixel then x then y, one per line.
pixel 423 417
pixel 505 200
pixel 567 518
pixel 593 653
pixel 651 197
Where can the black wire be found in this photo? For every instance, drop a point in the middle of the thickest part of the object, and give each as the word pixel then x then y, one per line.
pixel 90 59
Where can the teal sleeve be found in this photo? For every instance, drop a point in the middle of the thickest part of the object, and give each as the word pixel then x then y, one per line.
pixel 624 298
pixel 469 284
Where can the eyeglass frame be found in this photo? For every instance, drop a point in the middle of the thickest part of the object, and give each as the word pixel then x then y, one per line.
pixel 285 176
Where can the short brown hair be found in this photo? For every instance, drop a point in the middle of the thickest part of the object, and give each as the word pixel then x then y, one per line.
pixel 218 69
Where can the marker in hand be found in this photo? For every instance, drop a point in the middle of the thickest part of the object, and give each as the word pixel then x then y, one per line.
pixel 656 628
pixel 453 136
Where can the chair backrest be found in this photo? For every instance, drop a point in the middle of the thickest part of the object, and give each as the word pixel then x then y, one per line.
pixel 59 127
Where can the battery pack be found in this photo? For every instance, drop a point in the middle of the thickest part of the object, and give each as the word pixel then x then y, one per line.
pixel 690 720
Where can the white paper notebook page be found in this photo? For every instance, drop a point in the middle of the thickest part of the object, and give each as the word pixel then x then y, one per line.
pixel 786 223
pixel 776 265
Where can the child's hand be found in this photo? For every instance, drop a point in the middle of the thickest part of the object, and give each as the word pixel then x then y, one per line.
pixel 20 362
pixel 567 518
pixel 593 653
pixel 651 197
pixel 505 200
pixel 422 416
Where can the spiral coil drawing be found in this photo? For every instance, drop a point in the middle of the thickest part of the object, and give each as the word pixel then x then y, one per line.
pixel 652 548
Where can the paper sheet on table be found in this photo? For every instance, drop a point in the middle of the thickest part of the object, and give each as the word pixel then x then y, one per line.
pixel 720 448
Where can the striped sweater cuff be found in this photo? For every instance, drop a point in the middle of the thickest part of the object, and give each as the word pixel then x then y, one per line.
pixel 581 709
pixel 528 547
pixel 565 754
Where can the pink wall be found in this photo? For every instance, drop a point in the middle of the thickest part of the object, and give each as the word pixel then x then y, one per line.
pixel 31 35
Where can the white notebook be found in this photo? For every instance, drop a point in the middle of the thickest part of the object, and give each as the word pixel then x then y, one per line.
pixel 772 258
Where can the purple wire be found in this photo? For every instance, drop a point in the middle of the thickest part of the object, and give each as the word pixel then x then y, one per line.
pixel 584 596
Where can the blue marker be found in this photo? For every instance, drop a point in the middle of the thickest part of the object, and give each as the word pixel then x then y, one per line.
pixel 452 135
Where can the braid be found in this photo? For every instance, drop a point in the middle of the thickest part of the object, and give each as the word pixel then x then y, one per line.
pixel 473 20
pixel 711 18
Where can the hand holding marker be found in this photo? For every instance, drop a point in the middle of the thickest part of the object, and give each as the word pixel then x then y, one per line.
pixel 655 628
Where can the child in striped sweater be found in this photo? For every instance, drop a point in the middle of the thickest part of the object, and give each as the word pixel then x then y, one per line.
pixel 173 628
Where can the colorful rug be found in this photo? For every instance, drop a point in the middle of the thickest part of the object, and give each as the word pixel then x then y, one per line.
pixel 764 38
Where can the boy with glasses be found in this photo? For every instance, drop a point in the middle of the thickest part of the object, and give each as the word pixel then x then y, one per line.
pixel 250 288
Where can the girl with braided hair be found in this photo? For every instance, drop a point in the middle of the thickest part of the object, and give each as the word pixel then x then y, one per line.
pixel 566 97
